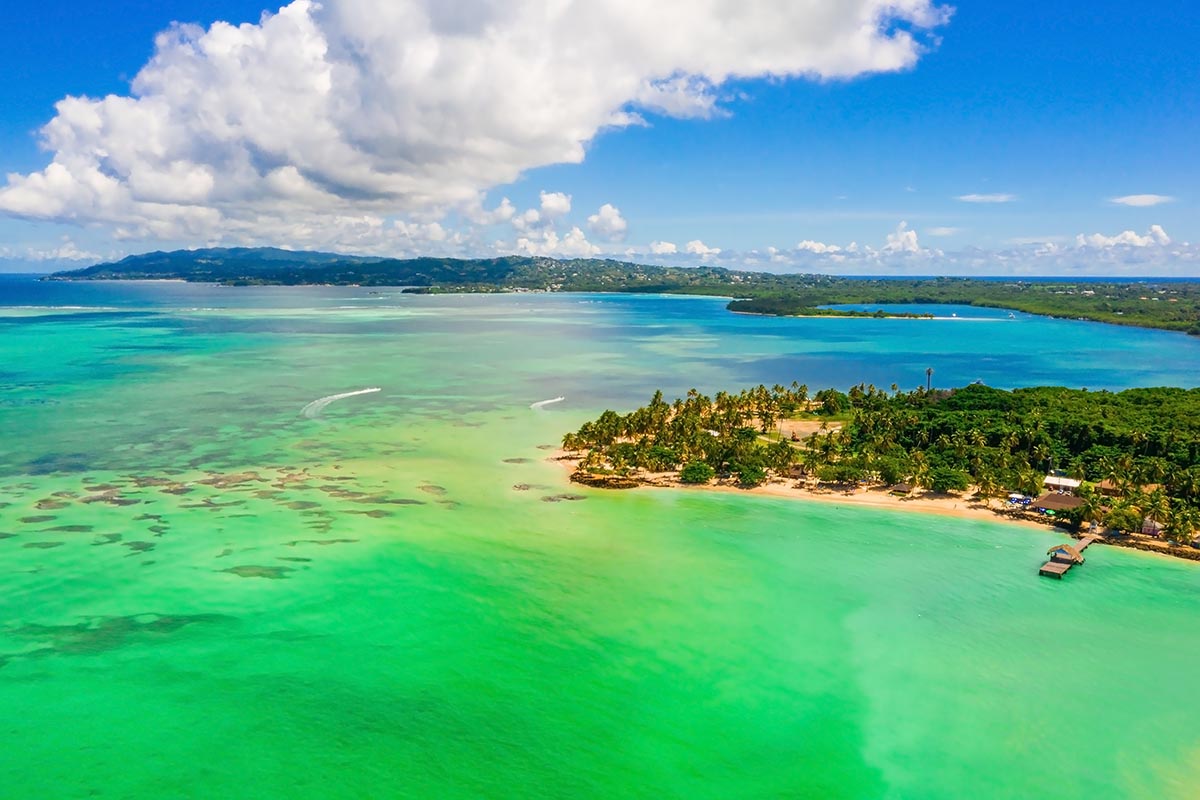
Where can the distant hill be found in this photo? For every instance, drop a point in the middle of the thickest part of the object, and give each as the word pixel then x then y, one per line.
pixel 1172 306
pixel 267 266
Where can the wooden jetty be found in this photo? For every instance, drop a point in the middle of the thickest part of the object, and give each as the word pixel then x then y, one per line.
pixel 1065 556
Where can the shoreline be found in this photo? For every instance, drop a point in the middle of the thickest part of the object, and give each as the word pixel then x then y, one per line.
pixel 959 507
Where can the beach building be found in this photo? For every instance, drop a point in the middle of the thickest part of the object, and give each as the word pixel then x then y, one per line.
pixel 1055 501
pixel 1061 483
pixel 1151 527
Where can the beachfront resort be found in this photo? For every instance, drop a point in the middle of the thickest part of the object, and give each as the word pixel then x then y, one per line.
pixel 1133 461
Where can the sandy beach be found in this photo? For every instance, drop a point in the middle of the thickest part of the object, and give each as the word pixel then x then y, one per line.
pixel 875 497
pixel 946 505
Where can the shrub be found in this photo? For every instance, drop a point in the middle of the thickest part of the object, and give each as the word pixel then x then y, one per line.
pixel 697 472
pixel 948 479
pixel 750 474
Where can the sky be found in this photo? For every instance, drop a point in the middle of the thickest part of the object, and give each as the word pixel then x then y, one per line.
pixel 838 136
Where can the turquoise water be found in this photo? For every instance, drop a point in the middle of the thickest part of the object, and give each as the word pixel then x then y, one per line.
pixel 209 595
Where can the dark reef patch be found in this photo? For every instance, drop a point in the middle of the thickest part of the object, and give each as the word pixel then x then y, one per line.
pixel 259 571
pixel 37 520
pixel 42 545
pixel 559 498
pixel 101 634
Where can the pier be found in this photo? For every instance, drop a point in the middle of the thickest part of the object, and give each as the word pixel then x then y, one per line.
pixel 1065 556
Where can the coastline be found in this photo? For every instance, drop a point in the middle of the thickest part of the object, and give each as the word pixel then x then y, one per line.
pixel 948 505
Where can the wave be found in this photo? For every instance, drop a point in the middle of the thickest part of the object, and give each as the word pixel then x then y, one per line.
pixel 543 403
pixel 314 409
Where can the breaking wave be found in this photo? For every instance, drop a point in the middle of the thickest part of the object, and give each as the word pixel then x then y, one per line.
pixel 314 409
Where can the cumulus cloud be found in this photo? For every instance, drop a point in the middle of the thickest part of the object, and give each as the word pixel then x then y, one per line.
pixel 555 205
pixel 699 248
pixel 902 240
pixel 1142 200
pixel 663 248
pixel 574 244
pixel 809 246
pixel 607 223
pixel 986 198
pixel 373 109
pixel 1156 236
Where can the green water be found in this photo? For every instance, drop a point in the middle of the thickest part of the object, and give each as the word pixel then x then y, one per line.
pixel 209 595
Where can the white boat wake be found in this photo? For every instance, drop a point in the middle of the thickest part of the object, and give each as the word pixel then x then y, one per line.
pixel 538 406
pixel 314 409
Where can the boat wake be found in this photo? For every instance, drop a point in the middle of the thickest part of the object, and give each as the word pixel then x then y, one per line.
pixel 314 409
pixel 538 406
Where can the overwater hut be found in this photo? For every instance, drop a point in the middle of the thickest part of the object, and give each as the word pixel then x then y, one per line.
pixel 1065 554
pixel 1053 501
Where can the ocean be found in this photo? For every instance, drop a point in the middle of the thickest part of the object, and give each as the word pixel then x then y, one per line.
pixel 210 593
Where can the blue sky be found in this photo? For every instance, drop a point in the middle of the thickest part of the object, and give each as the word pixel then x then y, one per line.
pixel 1054 108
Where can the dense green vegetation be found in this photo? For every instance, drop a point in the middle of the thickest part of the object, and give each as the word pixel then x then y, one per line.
pixel 1172 306
pixel 1144 442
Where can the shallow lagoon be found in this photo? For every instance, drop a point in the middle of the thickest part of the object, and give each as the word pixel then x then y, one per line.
pixel 209 594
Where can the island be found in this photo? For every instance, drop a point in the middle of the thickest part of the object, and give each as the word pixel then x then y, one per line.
pixel 1167 305
pixel 1123 467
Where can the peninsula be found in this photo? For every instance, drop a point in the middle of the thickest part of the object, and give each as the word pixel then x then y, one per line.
pixel 1125 463
pixel 1146 303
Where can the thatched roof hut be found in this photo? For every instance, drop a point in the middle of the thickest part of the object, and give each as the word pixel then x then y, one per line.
pixel 1053 501
pixel 900 488
pixel 1066 553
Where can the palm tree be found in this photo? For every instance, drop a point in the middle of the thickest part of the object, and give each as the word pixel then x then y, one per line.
pixel 1182 522
pixel 928 379
pixel 1158 505
pixel 1092 510
pixel 989 487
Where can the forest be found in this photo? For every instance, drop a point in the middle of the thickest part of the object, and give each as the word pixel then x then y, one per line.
pixel 1144 443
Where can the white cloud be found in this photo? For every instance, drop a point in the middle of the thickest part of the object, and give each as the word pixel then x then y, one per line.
pixel 573 244
pixel 809 246
pixel 902 240
pixel 943 231
pixel 1142 200
pixel 663 248
pixel 66 250
pixel 607 223
pixel 987 198
pixel 1155 236
pixel 699 248
pixel 555 204
pixel 326 113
